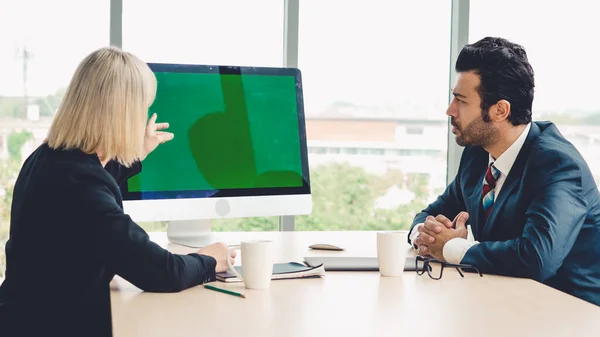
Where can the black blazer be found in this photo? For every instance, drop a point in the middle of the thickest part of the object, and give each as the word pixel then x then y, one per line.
pixel 545 223
pixel 69 237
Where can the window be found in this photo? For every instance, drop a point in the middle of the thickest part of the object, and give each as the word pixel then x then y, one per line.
pixel 204 31
pixel 564 58
pixel 320 150
pixel 41 44
pixel 414 130
pixel 241 33
pixel 364 71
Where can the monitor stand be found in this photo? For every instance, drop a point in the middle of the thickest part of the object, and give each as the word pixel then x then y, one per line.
pixel 191 233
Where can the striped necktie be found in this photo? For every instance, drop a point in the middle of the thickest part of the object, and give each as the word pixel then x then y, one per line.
pixel 491 176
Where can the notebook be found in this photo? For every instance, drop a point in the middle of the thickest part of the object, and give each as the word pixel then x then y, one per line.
pixel 344 263
pixel 281 271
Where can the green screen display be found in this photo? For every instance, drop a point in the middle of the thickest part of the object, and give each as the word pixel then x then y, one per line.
pixel 231 132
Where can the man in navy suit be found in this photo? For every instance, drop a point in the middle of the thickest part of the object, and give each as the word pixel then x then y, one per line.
pixel 529 198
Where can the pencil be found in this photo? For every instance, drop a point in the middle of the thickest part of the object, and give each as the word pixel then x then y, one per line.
pixel 208 286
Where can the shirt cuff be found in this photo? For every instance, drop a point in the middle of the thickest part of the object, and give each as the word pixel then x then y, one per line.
pixel 455 249
pixel 414 234
pixel 470 236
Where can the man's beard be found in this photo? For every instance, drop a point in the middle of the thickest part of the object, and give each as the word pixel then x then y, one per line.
pixel 477 133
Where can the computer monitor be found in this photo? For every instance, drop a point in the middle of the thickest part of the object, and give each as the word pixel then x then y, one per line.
pixel 239 149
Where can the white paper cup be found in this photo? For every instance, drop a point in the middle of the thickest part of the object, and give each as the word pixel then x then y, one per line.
pixel 391 253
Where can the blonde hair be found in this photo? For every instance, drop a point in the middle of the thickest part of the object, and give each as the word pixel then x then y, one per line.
pixel 105 107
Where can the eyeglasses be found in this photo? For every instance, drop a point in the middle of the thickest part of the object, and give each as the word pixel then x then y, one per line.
pixel 435 268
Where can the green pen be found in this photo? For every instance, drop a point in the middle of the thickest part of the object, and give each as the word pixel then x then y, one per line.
pixel 208 286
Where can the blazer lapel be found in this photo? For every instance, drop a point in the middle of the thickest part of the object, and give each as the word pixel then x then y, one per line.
pixel 476 217
pixel 509 185
pixel 511 182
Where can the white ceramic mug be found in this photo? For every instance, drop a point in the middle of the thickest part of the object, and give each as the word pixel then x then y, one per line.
pixel 391 253
pixel 257 264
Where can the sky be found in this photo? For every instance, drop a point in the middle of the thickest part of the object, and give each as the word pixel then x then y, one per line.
pixel 562 43
pixel 384 54
pixel 58 33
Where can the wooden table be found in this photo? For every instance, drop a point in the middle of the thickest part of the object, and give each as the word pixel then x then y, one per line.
pixel 352 303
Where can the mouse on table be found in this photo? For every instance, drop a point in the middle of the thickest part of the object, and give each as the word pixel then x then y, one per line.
pixel 325 246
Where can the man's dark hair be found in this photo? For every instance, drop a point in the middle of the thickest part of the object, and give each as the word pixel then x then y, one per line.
pixel 505 73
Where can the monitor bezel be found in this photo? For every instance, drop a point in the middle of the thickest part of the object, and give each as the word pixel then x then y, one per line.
pixel 237 192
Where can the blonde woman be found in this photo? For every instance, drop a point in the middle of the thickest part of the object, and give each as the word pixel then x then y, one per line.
pixel 69 235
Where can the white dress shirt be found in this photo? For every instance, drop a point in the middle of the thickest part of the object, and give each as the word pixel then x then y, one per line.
pixel 455 249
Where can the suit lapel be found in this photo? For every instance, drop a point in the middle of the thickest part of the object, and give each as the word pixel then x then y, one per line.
pixel 478 166
pixel 476 216
pixel 511 182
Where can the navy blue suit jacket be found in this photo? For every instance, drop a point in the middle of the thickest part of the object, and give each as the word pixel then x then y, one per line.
pixel 545 223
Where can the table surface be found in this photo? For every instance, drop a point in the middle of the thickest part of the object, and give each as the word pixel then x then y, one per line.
pixel 351 303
